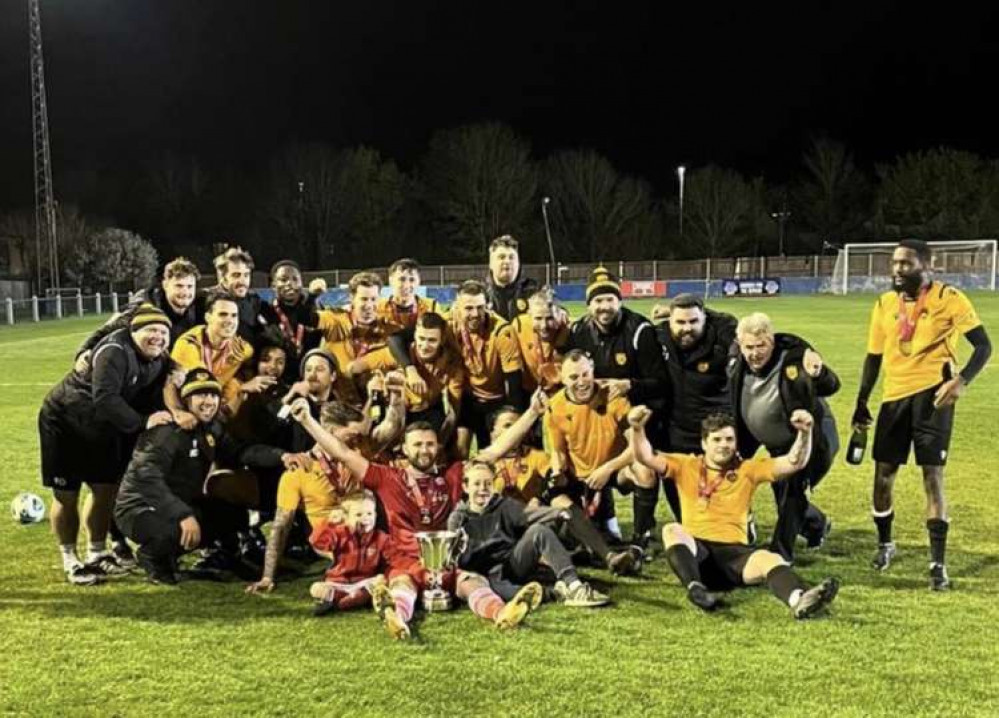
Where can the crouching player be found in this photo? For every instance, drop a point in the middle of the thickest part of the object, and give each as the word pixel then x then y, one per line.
pixel 359 551
pixel 709 550
pixel 503 545
pixel 418 498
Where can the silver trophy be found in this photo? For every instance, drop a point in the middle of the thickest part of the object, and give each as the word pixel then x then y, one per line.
pixel 438 552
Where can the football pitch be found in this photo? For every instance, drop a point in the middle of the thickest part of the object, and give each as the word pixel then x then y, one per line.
pixel 888 647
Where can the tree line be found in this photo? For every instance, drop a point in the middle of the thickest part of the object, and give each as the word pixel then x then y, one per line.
pixel 354 207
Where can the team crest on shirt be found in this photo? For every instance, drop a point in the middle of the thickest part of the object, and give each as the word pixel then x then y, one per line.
pixel 702 367
pixel 522 305
pixel 731 476
pixel 621 358
pixel 791 372
pixel 209 439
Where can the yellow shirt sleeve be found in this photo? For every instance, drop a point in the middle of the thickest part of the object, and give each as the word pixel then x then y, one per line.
pixel 962 313
pixel 509 350
pixel 378 360
pixel 759 470
pixel 289 491
pixel 186 354
pixel 876 334
pixel 334 325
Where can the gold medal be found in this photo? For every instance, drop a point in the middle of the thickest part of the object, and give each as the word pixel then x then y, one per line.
pixel 905 347
pixel 702 502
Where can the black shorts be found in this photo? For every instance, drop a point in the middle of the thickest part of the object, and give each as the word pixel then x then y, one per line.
pixel 433 415
pixel 70 459
pixel 722 564
pixel 912 421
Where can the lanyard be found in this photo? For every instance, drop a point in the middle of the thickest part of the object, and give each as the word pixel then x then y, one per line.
pixel 706 490
pixel 475 356
pixel 333 474
pixel 294 336
pixel 358 344
pixel 414 491
pixel 409 316
pixel 907 324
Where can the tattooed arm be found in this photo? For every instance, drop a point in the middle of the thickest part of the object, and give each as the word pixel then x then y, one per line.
pixel 794 460
pixel 280 529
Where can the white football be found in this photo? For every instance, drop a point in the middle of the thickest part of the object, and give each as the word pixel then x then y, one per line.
pixel 27 508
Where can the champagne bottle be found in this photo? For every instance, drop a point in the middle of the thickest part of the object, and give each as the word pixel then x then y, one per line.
pixel 857 447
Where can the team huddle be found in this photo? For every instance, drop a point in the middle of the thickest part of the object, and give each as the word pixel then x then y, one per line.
pixel 199 417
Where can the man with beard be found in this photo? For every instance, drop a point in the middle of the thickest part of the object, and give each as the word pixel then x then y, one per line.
pixel 405 306
pixel 506 290
pixel 442 374
pixel 85 427
pixel 709 550
pixel 352 333
pixel 628 361
pixel 539 333
pixel 420 497
pixel 320 488
pixel 291 314
pixel 162 504
pixel 235 268
pixel 174 297
pixel 696 343
pixel 586 429
pixel 774 376
pixel 216 347
pixel 914 332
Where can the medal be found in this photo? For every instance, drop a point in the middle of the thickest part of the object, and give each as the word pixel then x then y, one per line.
pixel 905 347
pixel 293 337
pixel 906 325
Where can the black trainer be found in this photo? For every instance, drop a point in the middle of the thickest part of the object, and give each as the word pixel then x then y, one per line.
pixel 214 565
pixel 124 555
pixel 80 575
pixel 159 572
pixel 939 581
pixel 698 594
pixel 816 598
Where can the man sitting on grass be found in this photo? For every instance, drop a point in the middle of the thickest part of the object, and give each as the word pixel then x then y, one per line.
pixel 710 548
pixel 503 545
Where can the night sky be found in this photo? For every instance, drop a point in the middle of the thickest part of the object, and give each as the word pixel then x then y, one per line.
pixel 650 86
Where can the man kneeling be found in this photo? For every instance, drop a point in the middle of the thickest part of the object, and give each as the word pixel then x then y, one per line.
pixel 710 548
pixel 503 545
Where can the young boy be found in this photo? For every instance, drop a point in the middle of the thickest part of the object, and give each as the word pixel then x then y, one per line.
pixel 505 548
pixel 359 553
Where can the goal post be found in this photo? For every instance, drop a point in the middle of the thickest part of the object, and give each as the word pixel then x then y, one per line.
pixel 866 266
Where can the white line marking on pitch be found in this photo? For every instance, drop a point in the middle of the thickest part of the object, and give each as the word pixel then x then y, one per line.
pixel 28 383
pixel 38 340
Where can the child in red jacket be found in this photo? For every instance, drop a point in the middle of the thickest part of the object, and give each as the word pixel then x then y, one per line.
pixel 358 551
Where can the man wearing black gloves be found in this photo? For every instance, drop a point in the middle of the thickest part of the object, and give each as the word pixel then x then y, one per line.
pixel 914 332
pixel 628 361
pixel 162 503
pixel 775 375
pixel 86 427
pixel 696 343
pixel 507 290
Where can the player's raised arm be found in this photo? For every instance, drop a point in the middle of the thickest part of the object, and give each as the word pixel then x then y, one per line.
pixel 336 449
pixel 512 437
pixel 641 449
pixel 795 459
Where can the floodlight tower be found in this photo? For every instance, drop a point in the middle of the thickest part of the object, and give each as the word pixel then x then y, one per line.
pixel 46 243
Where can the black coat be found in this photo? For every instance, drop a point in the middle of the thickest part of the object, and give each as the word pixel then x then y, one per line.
pixel 304 314
pixel 698 379
pixel 797 391
pixel 491 534
pixel 630 350
pixel 155 296
pixel 511 300
pixel 169 467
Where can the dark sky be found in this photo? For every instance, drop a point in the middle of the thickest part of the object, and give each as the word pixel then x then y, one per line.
pixel 650 86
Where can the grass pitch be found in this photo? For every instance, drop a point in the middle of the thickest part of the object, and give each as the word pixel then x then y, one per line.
pixel 889 647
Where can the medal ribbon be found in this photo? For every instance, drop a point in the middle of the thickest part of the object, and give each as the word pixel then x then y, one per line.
pixel 333 475
pixel 475 356
pixel 421 504
pixel 295 336
pixel 907 325
pixel 706 490
pixel 208 355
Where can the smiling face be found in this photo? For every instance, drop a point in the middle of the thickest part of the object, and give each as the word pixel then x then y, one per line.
pixel 179 292
pixel 543 320
pixel 318 374
pixel 719 447
pixel 686 325
pixel 504 264
pixel 223 319
pixel 273 361
pixel 472 311
pixel 479 486
pixel 364 305
pixel 605 309
pixel 420 447
pixel 237 278
pixel 152 340
pixel 577 377
pixel 287 284
pixel 404 283
pixel 360 515
pixel 204 405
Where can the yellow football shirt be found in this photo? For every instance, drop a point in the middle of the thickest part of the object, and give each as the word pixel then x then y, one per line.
pixel 192 351
pixel 522 475
pixel 588 434
pixel 539 358
pixel 487 356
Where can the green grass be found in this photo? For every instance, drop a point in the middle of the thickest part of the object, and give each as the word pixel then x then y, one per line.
pixel 890 647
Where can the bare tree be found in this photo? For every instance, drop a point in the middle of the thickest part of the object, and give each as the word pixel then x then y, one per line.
pixel 719 206
pixel 835 197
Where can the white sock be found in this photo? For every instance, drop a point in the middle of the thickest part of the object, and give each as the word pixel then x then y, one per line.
pixel 96 549
pixel 795 596
pixel 613 527
pixel 69 557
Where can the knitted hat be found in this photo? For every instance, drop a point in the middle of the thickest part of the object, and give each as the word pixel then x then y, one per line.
pixel 602 282
pixel 199 381
pixel 149 314
pixel 318 353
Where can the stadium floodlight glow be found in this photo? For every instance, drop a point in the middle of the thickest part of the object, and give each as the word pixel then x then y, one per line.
pixel 971 264
pixel 545 201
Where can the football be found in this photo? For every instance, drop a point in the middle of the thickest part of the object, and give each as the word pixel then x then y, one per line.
pixel 27 508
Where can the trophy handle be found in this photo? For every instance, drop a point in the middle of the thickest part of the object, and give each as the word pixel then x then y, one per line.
pixel 458 547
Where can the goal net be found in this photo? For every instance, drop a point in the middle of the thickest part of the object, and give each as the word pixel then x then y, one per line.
pixel 866 267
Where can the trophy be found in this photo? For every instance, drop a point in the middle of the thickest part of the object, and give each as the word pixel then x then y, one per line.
pixel 438 552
